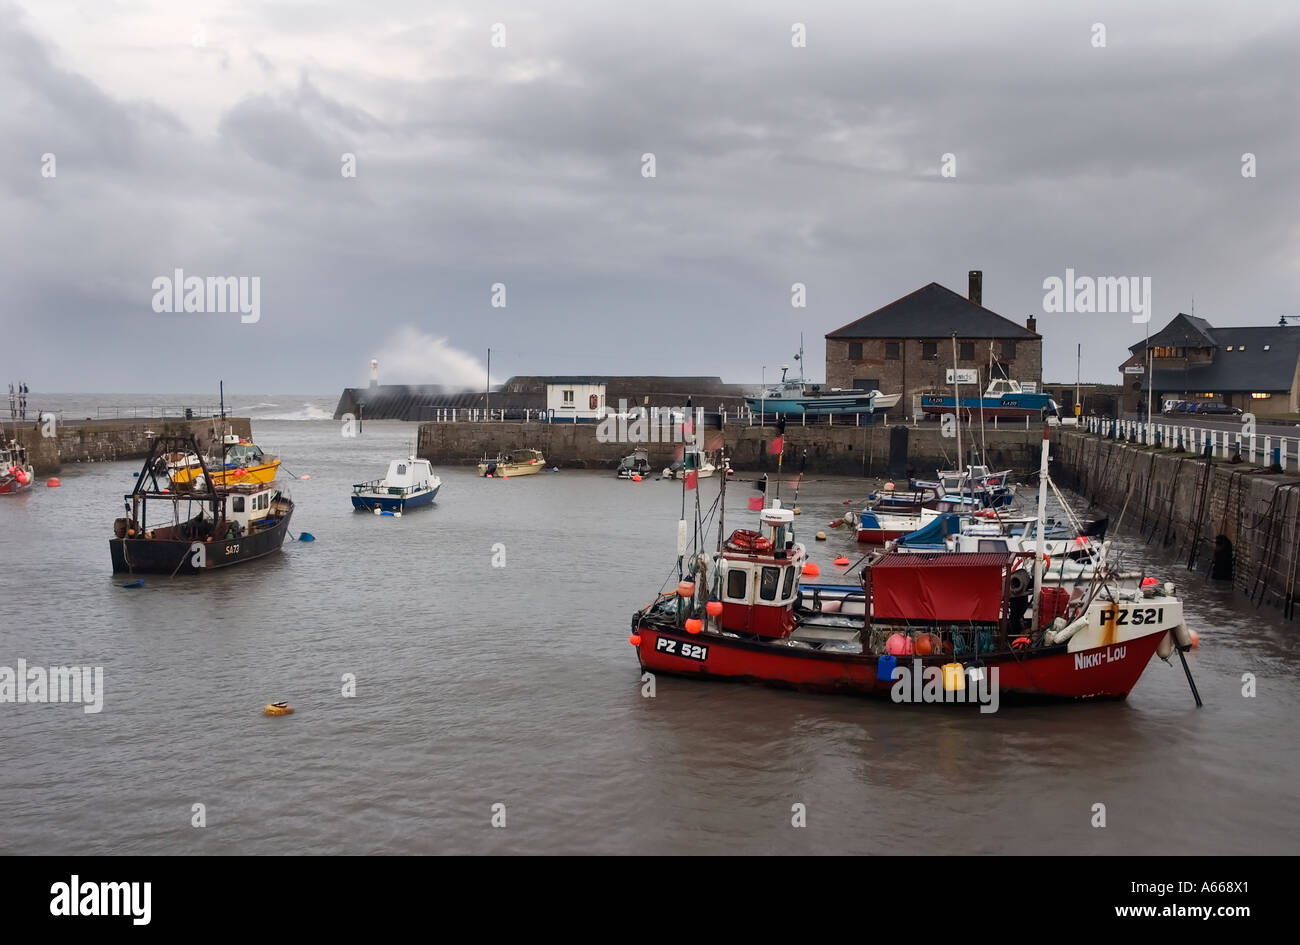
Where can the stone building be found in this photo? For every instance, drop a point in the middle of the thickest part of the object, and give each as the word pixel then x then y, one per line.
pixel 907 346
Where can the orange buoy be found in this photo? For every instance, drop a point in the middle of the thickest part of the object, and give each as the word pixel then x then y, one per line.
pixel 694 625
pixel 635 639
pixel 1149 582
pixel 810 569
pixel 889 487
pixel 923 645
pixel 53 482
pixel 1196 638
pixel 686 588
pixel 278 708
pixel 714 608
pixel 636 477
pixel 841 562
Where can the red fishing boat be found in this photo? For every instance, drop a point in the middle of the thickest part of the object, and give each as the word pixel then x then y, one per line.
pixel 16 472
pixel 944 627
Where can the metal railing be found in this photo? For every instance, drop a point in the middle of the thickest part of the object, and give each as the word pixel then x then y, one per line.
pixel 1280 451
pixel 156 412
pixel 658 415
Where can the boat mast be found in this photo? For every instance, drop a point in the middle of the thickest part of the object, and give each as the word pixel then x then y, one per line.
pixel 1039 543
pixel 956 412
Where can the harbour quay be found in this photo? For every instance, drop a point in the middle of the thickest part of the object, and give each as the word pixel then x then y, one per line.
pixel 840 448
pixel 52 445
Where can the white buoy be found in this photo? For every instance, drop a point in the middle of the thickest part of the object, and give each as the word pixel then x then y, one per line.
pixel 378 510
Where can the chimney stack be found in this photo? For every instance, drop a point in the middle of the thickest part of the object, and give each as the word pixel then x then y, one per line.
pixel 374 373
pixel 1032 324
pixel 976 287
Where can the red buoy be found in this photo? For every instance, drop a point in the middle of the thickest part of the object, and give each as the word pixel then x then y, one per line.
pixel 694 625
pixel 53 482
pixel 635 639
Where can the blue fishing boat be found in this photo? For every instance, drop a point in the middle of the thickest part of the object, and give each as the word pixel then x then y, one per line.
pixel 1003 398
pixel 409 484
pixel 795 398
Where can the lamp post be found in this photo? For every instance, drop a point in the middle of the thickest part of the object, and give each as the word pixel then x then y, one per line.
pixel 762 399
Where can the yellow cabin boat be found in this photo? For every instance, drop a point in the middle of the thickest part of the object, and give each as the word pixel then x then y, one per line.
pixel 514 463
pixel 245 464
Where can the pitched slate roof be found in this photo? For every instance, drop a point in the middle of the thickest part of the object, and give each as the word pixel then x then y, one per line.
pixel 933 312
pixel 1246 368
pixel 1183 331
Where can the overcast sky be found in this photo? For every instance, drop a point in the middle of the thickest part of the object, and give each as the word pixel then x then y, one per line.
pixel 210 137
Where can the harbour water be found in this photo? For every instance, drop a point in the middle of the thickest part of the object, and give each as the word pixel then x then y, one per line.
pixel 478 685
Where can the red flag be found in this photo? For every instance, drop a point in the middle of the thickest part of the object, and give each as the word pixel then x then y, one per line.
pixel 756 503
pixel 778 446
pixel 692 479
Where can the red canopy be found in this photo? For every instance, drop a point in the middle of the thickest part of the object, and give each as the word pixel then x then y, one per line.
pixel 942 587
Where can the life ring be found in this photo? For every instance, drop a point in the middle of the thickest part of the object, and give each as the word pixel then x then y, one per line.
pixel 278 708
pixel 749 540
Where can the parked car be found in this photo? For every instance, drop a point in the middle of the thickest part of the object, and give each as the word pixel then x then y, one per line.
pixel 1217 409
pixel 1171 406
pixel 1188 406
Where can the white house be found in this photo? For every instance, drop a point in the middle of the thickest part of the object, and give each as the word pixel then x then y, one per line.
pixel 575 398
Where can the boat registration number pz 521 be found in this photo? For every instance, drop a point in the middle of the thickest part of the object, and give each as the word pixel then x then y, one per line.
pixel 1140 615
pixel 690 651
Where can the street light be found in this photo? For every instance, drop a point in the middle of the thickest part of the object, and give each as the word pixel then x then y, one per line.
pixel 762 399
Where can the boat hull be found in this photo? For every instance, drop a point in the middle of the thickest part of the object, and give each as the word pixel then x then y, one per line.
pixel 9 486
pixel 166 556
pixel 811 406
pixel 368 502
pixel 1051 673
pixel 510 470
pixel 1008 405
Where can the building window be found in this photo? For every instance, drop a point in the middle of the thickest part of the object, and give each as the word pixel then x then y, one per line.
pixel 967 349
pixel 892 351
pixel 1260 396
pixel 1241 347
pixel 866 383
pixel 1165 351
pixel 1008 351
pixel 1267 347
pixel 855 351
pixel 568 396
pixel 736 581
pixel 1229 347
pixel 929 350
